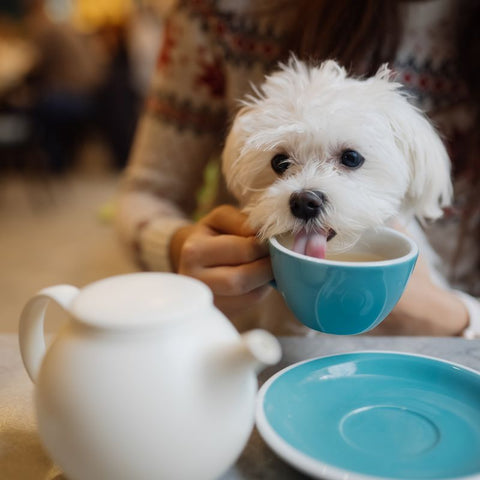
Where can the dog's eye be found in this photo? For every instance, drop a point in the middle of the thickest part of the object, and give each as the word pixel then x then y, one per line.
pixel 280 163
pixel 352 159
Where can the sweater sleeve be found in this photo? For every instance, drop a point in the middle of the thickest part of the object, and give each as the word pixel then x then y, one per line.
pixel 180 129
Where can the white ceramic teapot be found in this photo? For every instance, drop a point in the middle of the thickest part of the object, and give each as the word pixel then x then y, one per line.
pixel 146 381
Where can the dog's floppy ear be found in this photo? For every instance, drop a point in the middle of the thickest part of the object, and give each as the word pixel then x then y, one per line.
pixel 231 153
pixel 430 186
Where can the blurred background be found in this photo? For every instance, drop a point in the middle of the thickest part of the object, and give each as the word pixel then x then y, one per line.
pixel 73 77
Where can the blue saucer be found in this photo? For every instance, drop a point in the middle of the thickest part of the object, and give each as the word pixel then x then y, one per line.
pixel 369 415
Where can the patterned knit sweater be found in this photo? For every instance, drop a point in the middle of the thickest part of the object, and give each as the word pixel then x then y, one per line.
pixel 212 52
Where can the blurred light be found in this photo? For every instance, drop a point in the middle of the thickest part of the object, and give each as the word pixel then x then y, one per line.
pixel 59 10
pixel 93 14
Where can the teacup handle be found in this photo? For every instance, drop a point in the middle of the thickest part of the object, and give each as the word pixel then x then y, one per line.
pixel 30 334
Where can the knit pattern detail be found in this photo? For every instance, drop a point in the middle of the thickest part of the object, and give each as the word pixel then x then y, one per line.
pixel 154 241
pixel 432 88
pixel 242 40
pixel 184 115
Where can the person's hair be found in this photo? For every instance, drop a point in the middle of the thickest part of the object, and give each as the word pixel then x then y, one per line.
pixel 363 34
pixel 360 34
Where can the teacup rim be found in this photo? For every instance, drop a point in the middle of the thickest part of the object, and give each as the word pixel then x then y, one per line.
pixel 412 254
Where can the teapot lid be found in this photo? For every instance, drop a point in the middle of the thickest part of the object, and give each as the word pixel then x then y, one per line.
pixel 139 299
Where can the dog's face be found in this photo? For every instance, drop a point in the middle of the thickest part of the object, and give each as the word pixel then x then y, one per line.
pixel 326 156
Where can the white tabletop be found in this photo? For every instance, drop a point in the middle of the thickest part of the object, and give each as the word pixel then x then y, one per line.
pixel 22 456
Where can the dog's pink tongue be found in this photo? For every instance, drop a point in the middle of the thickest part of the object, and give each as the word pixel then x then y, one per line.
pixel 312 244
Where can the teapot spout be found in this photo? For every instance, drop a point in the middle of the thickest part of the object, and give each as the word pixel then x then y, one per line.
pixel 258 349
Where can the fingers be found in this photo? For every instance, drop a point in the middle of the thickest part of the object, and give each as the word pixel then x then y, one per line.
pixel 221 250
pixel 230 220
pixel 231 305
pixel 237 280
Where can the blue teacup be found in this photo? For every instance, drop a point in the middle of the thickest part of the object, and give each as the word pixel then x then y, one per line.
pixel 349 294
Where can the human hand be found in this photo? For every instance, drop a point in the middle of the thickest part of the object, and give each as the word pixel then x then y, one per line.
pixel 222 251
pixel 425 308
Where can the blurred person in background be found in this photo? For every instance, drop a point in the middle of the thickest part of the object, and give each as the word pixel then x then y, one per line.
pixel 64 83
pixel 117 99
pixel 213 50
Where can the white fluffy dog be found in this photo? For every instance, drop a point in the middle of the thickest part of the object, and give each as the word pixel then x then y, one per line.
pixel 326 156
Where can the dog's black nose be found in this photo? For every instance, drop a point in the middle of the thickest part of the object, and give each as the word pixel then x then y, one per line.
pixel 306 204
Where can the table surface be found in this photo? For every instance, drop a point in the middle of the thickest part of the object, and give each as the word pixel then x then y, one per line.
pixel 22 457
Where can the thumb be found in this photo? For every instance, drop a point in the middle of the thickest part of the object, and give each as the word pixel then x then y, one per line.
pixel 228 219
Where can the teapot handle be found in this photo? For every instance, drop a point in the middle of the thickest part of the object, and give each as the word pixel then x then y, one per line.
pixel 31 336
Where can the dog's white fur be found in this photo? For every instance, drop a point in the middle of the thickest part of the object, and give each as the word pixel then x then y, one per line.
pixel 313 114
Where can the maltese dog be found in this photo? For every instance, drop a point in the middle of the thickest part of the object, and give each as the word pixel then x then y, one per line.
pixel 325 156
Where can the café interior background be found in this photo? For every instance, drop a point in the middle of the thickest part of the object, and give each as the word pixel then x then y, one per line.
pixel 73 76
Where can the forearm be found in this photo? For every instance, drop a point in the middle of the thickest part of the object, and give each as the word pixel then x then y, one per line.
pixel 433 311
pixel 428 306
pixel 472 305
pixel 429 311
